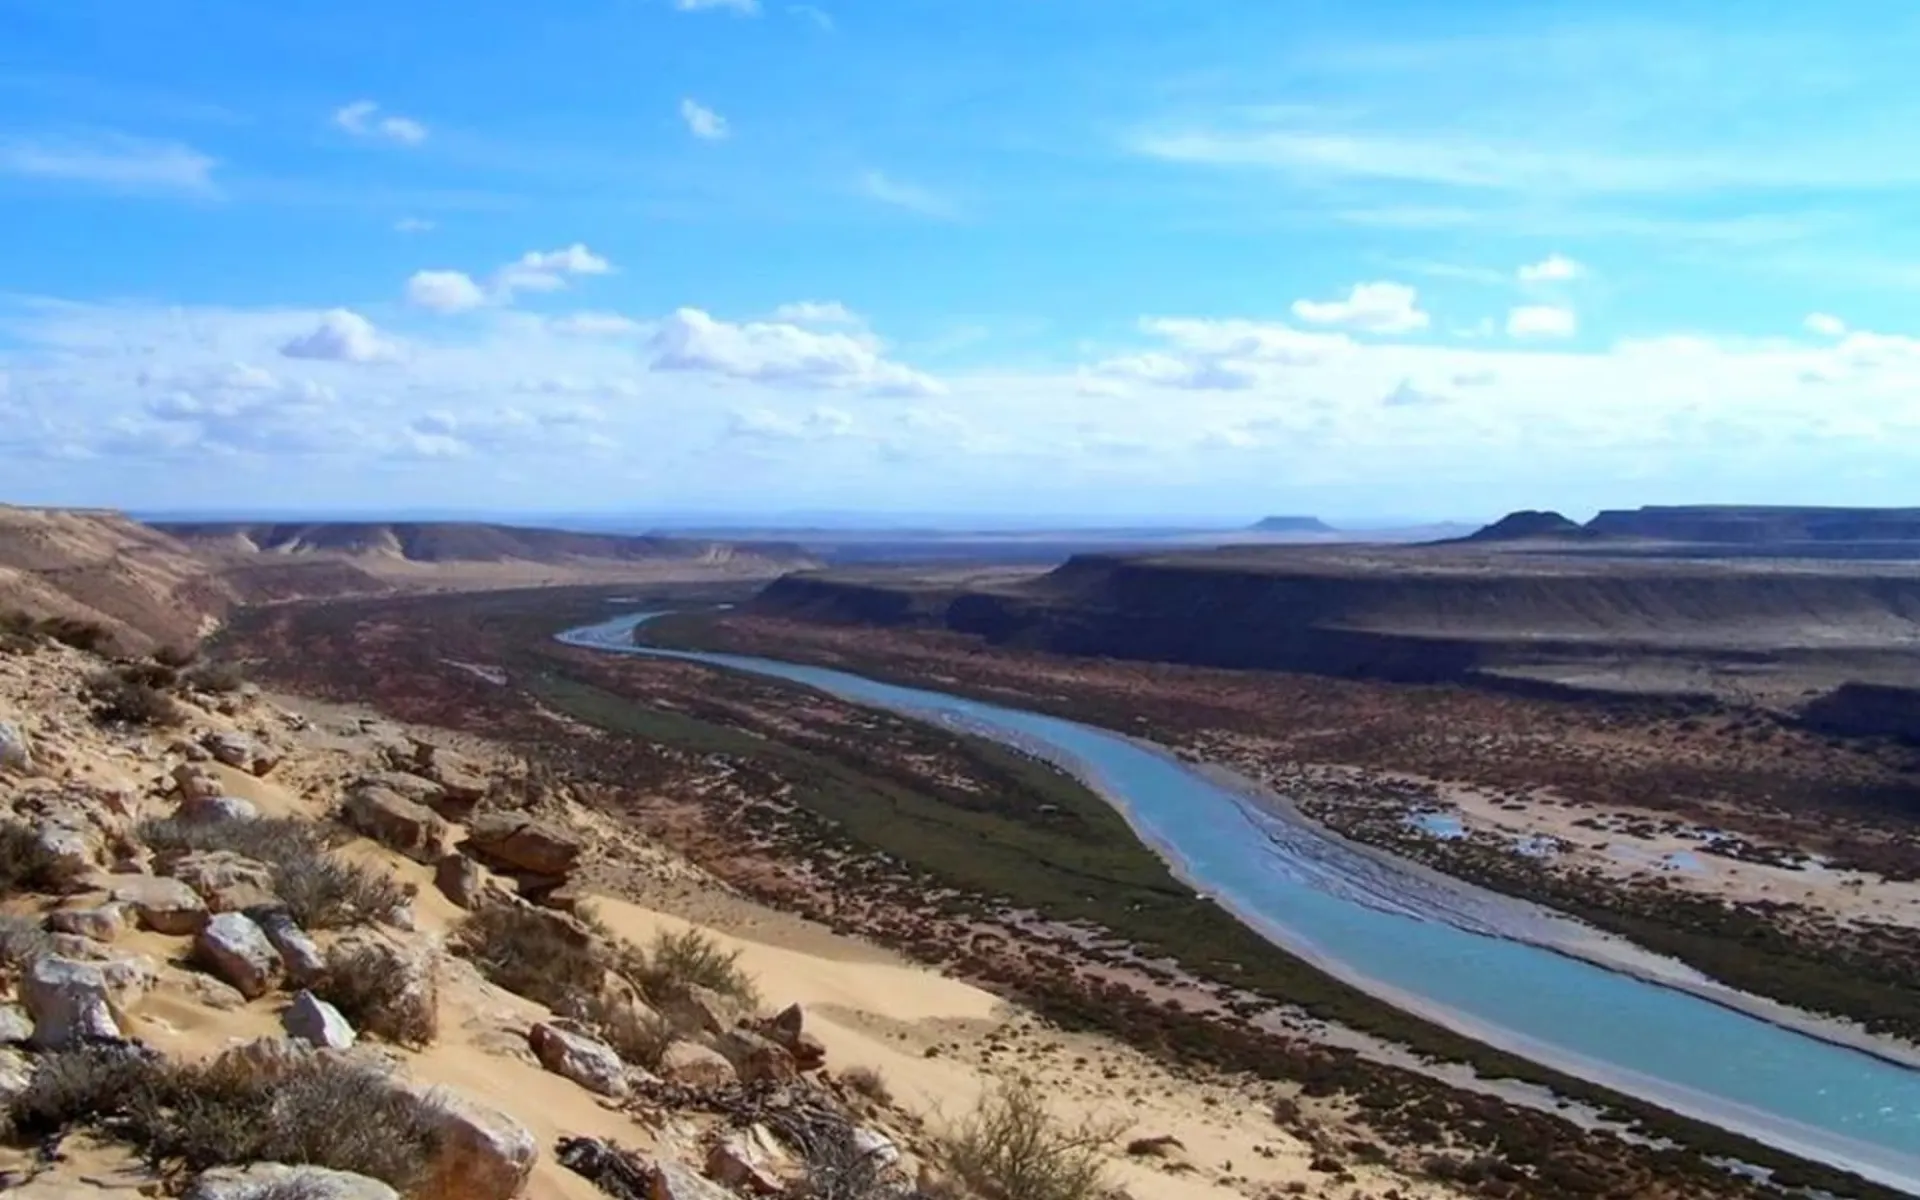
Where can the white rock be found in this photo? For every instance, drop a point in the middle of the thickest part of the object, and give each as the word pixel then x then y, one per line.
pixel 16 1072
pixel 100 923
pixel 68 1003
pixel 483 1154
pixel 298 953
pixel 16 1027
pixel 270 1181
pixel 873 1144
pixel 319 1024
pixel 587 1061
pixel 162 905
pixel 671 1181
pixel 16 752
pixel 209 810
pixel 236 950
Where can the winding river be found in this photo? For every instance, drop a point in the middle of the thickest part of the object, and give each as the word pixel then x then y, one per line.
pixel 1442 948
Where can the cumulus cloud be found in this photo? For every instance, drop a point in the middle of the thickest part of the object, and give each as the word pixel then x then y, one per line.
pixel 1541 321
pixel 1262 341
pixel 1166 370
pixel 363 119
pixel 1369 308
pixel 1406 395
pixel 595 324
pixel 1554 268
pixel 703 122
pixel 342 336
pixel 781 354
pixel 1826 325
pixel 764 423
pixel 444 291
pixel 111 161
pixel 817 312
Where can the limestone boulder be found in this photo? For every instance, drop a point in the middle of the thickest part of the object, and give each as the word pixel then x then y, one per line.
pixel 396 822
pixel 300 956
pixel 211 810
pixel 68 1002
pixel 237 951
pixel 194 782
pixel 274 1181
pixel 483 1153
pixel 517 842
pixel 241 752
pixel 312 1020
pixel 224 880
pixel 16 1027
pixel 671 1181
pixel 466 882
pixel 16 1072
pixel 587 1061
pixel 98 922
pixel 696 1009
pixel 757 1059
pixel 753 1161
pixel 160 904
pixel 699 1066
pixel 16 751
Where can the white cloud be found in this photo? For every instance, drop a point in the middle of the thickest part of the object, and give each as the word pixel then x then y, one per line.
pixel 1826 325
pixel 1554 268
pixel 1166 370
pixel 341 336
pixel 1370 308
pixel 444 291
pixel 1407 395
pixel 594 324
pixel 817 312
pixel 362 119
pixel 744 7
pixel 764 423
pixel 413 225
pixel 877 185
pixel 1541 320
pixel 548 271
pixel 1263 341
pixel 820 18
pixel 111 161
pixel 703 122
pixel 782 355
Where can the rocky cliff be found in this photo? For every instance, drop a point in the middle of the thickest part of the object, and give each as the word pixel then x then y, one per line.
pixel 465 542
pixel 107 569
pixel 1761 524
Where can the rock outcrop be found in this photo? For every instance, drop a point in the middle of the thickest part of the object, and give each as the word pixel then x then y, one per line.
pixel 574 1055
pixel 68 1002
pixel 238 952
pixel 312 1020
pixel 274 1181
pixel 396 822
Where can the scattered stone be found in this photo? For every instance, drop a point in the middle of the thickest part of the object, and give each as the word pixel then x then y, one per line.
pixel 68 1003
pixel 871 1143
pixel 587 1061
pixel 272 1181
pixel 226 881
pixel 193 752
pixel 788 1029
pixel 210 810
pixel 16 752
pixel 162 905
pixel 483 1154
pixel 99 923
pixel 396 822
pixel 696 1065
pixel 407 785
pixel 299 955
pixel 521 843
pixel 701 1010
pixel 16 1072
pixel 238 951
pixel 463 783
pixel 750 1160
pixel 240 752
pixel 195 783
pixel 266 1058
pixel 671 1181
pixel 70 849
pixel 466 882
pixel 1165 1146
pixel 757 1059
pixel 16 1028
pixel 209 991
pixel 319 1024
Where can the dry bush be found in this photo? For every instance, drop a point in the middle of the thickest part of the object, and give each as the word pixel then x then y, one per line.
pixel 321 1111
pixel 89 636
pixel 156 675
pixel 678 961
pixel 869 1083
pixel 177 657
pixel 1010 1147
pixel 19 633
pixel 527 952
pixel 217 678
pixel 320 890
pixel 639 1036
pixel 120 701
pixel 25 864
pixel 360 982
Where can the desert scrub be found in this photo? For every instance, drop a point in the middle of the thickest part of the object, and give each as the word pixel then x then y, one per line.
pixel 317 1110
pixel 122 700
pixel 374 998
pixel 679 961
pixel 25 864
pixel 533 953
pixel 868 1082
pixel 215 678
pixel 319 889
pixel 1011 1147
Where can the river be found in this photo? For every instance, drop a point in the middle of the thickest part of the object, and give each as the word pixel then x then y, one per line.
pixel 1436 947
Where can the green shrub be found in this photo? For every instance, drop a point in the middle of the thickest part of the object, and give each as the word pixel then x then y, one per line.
pixel 1012 1148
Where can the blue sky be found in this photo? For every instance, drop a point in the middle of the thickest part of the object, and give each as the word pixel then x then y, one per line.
pixel 1123 257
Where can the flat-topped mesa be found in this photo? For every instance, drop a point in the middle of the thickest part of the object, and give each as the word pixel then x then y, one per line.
pixel 1758 524
pixel 1292 525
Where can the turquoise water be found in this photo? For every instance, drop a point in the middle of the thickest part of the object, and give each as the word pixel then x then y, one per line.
pixel 1688 1054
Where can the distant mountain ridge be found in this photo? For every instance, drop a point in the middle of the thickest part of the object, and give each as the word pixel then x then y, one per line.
pixel 463 542
pixel 1740 527
pixel 1292 525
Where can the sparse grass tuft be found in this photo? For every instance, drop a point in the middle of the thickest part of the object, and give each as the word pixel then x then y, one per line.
pixel 25 865
pixel 1012 1148
pixel 528 953
pixel 121 701
pixel 319 889
pixel 378 1000
pixel 320 1110
pixel 691 958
